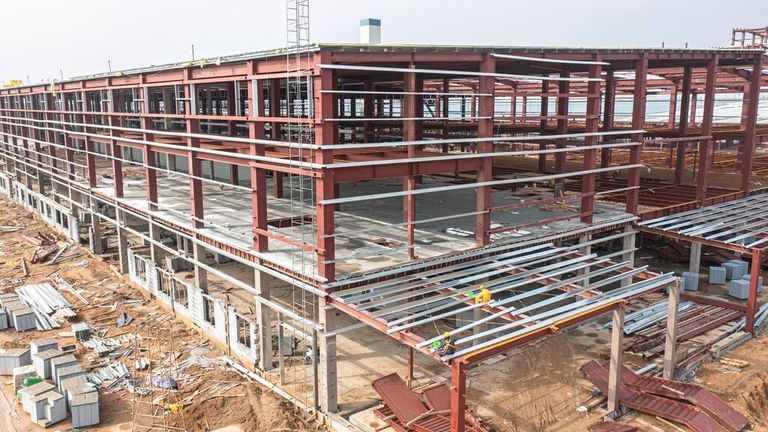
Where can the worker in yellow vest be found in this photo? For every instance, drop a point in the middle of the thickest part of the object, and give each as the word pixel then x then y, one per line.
pixel 447 347
pixel 484 296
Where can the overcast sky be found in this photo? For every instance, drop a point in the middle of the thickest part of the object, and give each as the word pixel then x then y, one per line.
pixel 79 36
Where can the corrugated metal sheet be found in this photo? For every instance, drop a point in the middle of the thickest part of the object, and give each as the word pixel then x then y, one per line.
pixel 399 398
pixel 681 412
pixel 696 395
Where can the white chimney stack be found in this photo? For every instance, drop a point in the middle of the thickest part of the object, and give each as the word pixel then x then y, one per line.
pixel 370 31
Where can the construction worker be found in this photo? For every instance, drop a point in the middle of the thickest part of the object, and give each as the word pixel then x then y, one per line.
pixel 447 347
pixel 484 296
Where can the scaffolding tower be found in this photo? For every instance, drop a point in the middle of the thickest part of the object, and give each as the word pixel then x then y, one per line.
pixel 299 111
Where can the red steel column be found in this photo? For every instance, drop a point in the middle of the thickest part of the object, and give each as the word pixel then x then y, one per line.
pixel 672 105
pixel 50 134
pixel 513 110
pixel 638 122
pixel 592 125
pixel 694 103
pixel 458 395
pixel 609 110
pixel 150 157
pixel 563 88
pixel 325 136
pixel 410 133
pixel 274 107
pixel 90 158
pixel 485 130
pixel 368 111
pixel 706 130
pixel 544 111
pixel 751 124
pixel 36 137
pixel 277 127
pixel 195 182
pixel 754 276
pixel 258 175
pixel 195 170
pixel 685 105
pixel 410 366
pixel 608 116
pixel 117 150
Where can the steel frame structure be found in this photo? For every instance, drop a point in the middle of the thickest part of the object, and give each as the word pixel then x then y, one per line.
pixel 374 113
pixel 739 226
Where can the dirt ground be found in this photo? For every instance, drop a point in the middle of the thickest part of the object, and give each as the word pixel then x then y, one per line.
pixel 213 396
pixel 535 389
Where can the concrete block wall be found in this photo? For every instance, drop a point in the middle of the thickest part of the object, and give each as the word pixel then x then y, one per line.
pixel 52 212
pixel 195 296
pixel 218 329
pixel 6 187
pixel 234 320
pixel 163 286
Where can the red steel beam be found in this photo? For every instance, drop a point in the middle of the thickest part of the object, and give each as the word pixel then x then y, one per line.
pixel 502 347
pixel 713 301
pixel 702 240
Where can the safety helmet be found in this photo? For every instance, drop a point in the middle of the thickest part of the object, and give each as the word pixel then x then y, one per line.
pixel 446 335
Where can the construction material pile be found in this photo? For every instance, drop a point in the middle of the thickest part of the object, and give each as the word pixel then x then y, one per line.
pixel 649 342
pixel 689 404
pixel 49 306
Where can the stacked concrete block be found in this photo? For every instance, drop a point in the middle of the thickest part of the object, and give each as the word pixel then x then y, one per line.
pixel 717 275
pixel 40 345
pixel 75 386
pixel 730 270
pixel 28 394
pixel 759 282
pixel 739 289
pixel 6 298
pixel 736 269
pixel 20 316
pixel 13 358
pixel 743 264
pixel 59 363
pixel 67 373
pixel 690 281
pixel 42 362
pixel 24 320
pixel 85 409
pixel 48 408
pixel 4 324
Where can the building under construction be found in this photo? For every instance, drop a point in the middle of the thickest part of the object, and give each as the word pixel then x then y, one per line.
pixel 332 189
